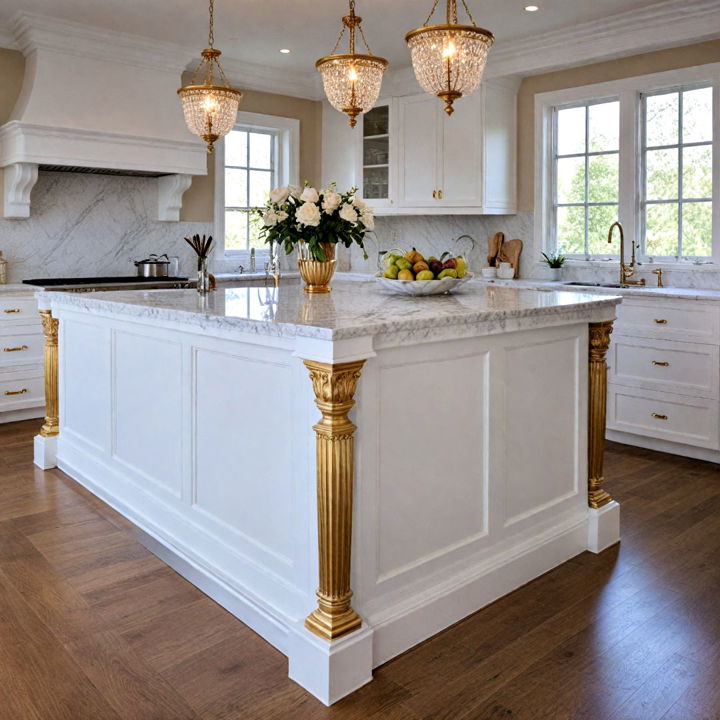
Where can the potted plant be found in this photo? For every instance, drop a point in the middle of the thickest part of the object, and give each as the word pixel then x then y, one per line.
pixel 314 222
pixel 555 263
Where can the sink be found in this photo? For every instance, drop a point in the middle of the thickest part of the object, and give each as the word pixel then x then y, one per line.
pixel 603 285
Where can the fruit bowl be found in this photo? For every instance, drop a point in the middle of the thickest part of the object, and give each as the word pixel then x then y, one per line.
pixel 422 287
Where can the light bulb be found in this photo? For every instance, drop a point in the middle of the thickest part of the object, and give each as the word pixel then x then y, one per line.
pixel 532 8
pixel 449 50
pixel 209 104
pixel 352 75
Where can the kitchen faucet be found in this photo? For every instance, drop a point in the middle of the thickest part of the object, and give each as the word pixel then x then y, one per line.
pixel 626 271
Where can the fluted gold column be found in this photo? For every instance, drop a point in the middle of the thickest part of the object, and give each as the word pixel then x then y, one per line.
pixel 334 387
pixel 597 412
pixel 51 427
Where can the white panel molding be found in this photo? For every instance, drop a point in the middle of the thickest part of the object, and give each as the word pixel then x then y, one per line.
pixel 171 188
pixel 18 181
pixel 263 78
pixel 661 25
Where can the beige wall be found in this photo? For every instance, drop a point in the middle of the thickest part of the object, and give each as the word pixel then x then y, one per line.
pixel 198 201
pixel 12 69
pixel 660 61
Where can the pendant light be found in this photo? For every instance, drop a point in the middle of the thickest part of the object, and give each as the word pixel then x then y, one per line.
pixel 210 104
pixel 352 80
pixel 449 60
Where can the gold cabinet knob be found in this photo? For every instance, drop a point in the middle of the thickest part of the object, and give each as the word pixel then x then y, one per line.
pixel 440 194
pixel 661 321
pixel 434 194
pixel 657 416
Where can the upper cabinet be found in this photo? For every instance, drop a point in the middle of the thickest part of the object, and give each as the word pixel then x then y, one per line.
pixel 410 158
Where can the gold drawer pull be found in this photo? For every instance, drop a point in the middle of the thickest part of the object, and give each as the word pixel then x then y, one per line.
pixel 434 194
pixel 661 322
pixel 440 194
pixel 16 392
pixel 13 310
pixel 659 417
pixel 17 349
pixel 661 364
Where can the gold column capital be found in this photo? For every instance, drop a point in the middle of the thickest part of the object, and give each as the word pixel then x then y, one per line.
pixel 334 387
pixel 50 325
pixel 599 342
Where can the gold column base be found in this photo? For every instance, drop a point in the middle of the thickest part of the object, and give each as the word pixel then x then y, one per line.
pixel 597 412
pixel 334 387
pixel 51 426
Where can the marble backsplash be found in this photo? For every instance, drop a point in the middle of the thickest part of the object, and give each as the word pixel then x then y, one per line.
pixel 92 225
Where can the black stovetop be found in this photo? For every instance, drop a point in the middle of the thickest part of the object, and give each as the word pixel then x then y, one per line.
pixel 51 282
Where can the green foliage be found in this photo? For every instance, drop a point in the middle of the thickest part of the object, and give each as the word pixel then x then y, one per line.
pixel 554 260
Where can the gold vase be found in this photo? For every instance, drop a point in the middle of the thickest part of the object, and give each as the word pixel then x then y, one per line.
pixel 317 274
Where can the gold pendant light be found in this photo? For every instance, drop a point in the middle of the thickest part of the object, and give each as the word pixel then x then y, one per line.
pixel 210 106
pixel 351 80
pixel 449 60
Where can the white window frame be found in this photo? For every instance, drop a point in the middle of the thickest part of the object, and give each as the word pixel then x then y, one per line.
pixel 630 92
pixel 286 151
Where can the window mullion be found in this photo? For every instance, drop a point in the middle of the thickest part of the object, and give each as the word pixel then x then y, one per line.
pixel 587 180
pixel 681 165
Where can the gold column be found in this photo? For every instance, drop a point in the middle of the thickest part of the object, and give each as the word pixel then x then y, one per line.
pixel 51 427
pixel 334 387
pixel 597 412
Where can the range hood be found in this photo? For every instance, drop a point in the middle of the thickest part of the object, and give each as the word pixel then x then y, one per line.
pixel 97 101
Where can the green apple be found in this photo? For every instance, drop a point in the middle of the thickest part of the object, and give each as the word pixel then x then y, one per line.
pixel 449 272
pixel 390 259
pixel 392 272
pixel 425 275
pixel 403 264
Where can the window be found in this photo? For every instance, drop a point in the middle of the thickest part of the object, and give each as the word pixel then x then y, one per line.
pixel 587 152
pixel 677 173
pixel 262 152
pixel 250 174
pixel 644 151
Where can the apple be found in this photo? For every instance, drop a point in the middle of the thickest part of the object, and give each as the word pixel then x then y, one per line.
pixel 436 266
pixel 450 264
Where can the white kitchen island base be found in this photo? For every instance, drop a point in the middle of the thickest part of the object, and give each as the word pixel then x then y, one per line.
pixel 195 418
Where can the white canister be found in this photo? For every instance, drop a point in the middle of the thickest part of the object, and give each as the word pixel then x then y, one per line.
pixel 489 272
pixel 506 271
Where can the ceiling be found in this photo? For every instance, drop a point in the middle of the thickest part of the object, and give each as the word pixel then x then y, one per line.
pixel 255 30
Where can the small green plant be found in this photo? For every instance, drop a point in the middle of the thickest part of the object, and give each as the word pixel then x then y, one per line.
pixel 553 261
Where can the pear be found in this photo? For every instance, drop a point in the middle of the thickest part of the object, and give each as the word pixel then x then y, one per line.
pixel 448 272
pixel 392 272
pixel 461 266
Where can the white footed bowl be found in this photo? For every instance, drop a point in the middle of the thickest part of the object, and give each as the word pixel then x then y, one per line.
pixel 423 287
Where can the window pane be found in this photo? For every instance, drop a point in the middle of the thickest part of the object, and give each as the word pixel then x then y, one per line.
pixel 255 225
pixel 260 186
pixel 662 174
pixel 236 227
pixel 236 188
pixel 571 131
pixel 570 180
pixel 604 127
pixel 697 172
pixel 697 229
pixel 599 221
pixel 571 230
pixel 603 178
pixel 260 150
pixel 236 148
pixel 663 115
pixel 661 230
pixel 697 115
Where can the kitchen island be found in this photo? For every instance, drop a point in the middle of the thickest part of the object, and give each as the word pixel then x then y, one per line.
pixel 442 452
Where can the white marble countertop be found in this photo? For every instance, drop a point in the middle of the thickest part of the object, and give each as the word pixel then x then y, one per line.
pixel 16 289
pixel 355 308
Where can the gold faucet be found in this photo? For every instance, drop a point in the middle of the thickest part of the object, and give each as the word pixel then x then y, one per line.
pixel 626 271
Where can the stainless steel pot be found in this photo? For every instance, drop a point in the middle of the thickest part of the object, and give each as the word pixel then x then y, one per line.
pixel 153 266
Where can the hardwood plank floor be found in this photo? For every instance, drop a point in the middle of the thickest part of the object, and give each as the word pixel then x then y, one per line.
pixel 92 625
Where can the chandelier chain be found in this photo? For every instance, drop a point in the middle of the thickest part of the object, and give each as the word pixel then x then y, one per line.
pixel 467 10
pixel 367 45
pixel 432 12
pixel 211 30
pixel 339 40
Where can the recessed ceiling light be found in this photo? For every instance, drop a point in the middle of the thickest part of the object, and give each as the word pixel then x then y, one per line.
pixel 285 51
pixel 532 8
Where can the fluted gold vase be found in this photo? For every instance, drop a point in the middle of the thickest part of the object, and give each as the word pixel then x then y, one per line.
pixel 317 274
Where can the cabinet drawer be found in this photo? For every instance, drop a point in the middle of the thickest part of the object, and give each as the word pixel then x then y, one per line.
pixel 666 366
pixel 691 421
pixel 21 390
pixel 21 348
pixel 669 319
pixel 18 310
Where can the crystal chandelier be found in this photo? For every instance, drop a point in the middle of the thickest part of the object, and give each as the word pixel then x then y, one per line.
pixel 449 60
pixel 210 106
pixel 351 80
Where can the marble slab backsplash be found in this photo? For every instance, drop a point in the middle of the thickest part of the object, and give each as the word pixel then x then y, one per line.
pixel 84 225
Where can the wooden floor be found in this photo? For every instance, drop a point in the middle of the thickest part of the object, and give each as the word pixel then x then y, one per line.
pixel 93 626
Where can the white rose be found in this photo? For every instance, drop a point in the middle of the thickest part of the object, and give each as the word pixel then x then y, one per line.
pixel 309 195
pixel 295 191
pixel 282 216
pixel 368 220
pixel 279 195
pixel 348 212
pixel 359 203
pixel 308 214
pixel 331 201
pixel 270 218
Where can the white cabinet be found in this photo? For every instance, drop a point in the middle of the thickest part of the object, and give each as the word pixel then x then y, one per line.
pixel 664 376
pixel 21 358
pixel 436 164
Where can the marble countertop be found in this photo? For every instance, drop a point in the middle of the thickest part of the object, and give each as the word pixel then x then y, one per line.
pixel 355 308
pixel 16 289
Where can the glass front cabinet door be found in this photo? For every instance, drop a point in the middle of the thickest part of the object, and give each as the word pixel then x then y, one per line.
pixel 378 156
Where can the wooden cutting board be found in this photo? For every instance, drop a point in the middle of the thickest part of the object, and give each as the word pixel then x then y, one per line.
pixel 494 244
pixel 510 252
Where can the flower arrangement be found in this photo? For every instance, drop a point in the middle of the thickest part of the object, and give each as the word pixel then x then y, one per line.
pixel 319 218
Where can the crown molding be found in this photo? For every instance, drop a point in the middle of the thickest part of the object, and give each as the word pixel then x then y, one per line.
pixel 632 32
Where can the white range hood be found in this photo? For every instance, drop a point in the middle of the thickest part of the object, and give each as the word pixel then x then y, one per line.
pixel 97 101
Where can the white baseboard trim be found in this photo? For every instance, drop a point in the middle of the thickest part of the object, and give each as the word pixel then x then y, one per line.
pixel 663 446
pixel 18 415
pixel 604 527
pixel 45 451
